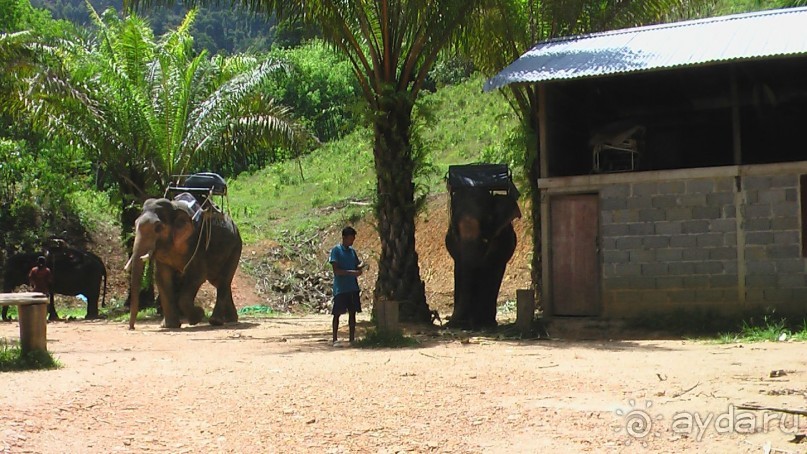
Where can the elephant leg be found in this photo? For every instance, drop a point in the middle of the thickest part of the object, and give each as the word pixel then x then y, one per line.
pixel 490 282
pixel 52 315
pixel 224 310
pixel 92 305
pixel 5 313
pixel 164 278
pixel 187 291
pixel 462 297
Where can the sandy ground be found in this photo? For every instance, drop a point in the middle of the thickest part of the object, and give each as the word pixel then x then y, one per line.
pixel 277 385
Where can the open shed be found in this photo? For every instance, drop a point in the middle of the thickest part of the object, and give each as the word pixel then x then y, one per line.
pixel 673 166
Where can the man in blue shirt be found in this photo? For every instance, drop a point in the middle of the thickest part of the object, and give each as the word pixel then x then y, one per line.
pixel 346 269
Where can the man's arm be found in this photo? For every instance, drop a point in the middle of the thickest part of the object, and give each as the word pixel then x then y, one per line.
pixel 340 272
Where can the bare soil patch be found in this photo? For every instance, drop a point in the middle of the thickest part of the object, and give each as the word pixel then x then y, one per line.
pixel 277 385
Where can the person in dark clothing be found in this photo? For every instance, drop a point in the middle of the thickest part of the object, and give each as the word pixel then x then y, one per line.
pixel 40 278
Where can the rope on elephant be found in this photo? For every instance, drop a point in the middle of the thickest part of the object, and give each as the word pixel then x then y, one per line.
pixel 205 229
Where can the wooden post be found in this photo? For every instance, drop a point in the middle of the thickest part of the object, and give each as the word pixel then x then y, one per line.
pixel 387 316
pixel 33 314
pixel 525 310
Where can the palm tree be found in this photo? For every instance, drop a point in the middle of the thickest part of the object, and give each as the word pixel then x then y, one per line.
pixel 514 26
pixel 147 109
pixel 392 45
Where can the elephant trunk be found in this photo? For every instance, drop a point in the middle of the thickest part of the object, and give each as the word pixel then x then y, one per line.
pixel 137 264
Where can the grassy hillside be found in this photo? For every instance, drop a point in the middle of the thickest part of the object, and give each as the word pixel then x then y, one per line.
pixel 336 183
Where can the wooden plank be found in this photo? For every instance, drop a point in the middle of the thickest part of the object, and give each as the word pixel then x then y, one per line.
pixel 23 299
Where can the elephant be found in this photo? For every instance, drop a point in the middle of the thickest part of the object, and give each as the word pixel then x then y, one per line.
pixel 188 246
pixel 75 272
pixel 481 240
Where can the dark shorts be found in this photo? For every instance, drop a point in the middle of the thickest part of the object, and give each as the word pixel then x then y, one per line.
pixel 346 302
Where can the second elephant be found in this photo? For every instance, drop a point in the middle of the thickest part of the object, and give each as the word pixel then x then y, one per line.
pixel 481 240
pixel 188 247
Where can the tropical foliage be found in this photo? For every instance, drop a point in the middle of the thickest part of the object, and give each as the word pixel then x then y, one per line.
pixel 148 109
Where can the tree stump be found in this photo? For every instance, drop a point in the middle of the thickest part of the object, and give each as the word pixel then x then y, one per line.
pixel 386 313
pixel 32 309
pixel 525 311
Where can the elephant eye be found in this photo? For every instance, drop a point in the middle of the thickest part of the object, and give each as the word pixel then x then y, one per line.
pixel 158 228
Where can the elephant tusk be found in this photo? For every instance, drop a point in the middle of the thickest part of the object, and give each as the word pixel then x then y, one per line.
pixel 145 256
pixel 128 265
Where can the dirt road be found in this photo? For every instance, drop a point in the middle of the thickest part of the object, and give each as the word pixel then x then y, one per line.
pixel 276 385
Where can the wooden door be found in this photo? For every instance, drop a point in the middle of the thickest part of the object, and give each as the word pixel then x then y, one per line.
pixel 575 271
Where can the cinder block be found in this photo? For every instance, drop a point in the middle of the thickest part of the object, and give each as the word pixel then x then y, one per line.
pixel 756 267
pixel 668 227
pixel 641 228
pixel 628 242
pixel 759 238
pixel 723 253
pixel 656 241
pixel 643 255
pixel 784 181
pixel 671 187
pixel 704 186
pixel 705 212
pixel 777 251
pixel 654 269
pixel 614 230
pixel 669 255
pixel 679 214
pixel 615 191
pixel 723 225
pixel 625 216
pixel 718 199
pixel 696 226
pixel 709 240
pixel 756 182
pixel 792 280
pixel 615 256
pixel 695 254
pixel 785 223
pixel 723 281
pixel 613 204
pixel 711 267
pixel 692 200
pixel 669 283
pixel 665 201
pixel 784 209
pixel 683 241
pixel 681 268
pixel 757 211
pixel 771 196
pixel 645 189
pixel 757 225
pixel 652 215
pixel 696 282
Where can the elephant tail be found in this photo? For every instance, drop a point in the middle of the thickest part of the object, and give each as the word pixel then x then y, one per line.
pixel 103 298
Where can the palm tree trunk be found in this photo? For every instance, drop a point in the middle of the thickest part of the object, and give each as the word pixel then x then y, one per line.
pixel 398 270
pixel 533 171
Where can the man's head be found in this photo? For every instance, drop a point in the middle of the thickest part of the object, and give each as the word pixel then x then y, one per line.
pixel 40 260
pixel 348 231
pixel 348 235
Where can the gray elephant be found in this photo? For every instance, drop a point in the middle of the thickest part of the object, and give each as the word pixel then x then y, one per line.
pixel 481 240
pixel 188 247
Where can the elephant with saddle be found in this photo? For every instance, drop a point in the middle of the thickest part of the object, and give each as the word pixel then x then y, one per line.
pixel 75 272
pixel 188 246
pixel 480 239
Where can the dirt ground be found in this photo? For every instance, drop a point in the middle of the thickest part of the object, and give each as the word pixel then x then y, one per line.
pixel 277 385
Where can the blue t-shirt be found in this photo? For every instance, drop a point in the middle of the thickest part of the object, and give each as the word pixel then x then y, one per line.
pixel 346 259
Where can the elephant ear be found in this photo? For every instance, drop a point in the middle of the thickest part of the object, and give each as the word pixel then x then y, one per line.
pixel 506 210
pixel 182 225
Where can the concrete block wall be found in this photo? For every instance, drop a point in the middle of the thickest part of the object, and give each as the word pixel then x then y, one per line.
pixel 699 243
pixel 775 271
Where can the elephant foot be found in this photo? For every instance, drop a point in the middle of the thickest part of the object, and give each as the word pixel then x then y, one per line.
pixel 94 317
pixel 216 321
pixel 196 315
pixel 170 324
pixel 458 324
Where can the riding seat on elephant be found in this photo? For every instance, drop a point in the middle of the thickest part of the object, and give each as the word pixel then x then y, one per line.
pixel 480 239
pixel 75 272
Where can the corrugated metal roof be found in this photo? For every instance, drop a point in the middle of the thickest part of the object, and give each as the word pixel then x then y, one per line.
pixel 717 39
